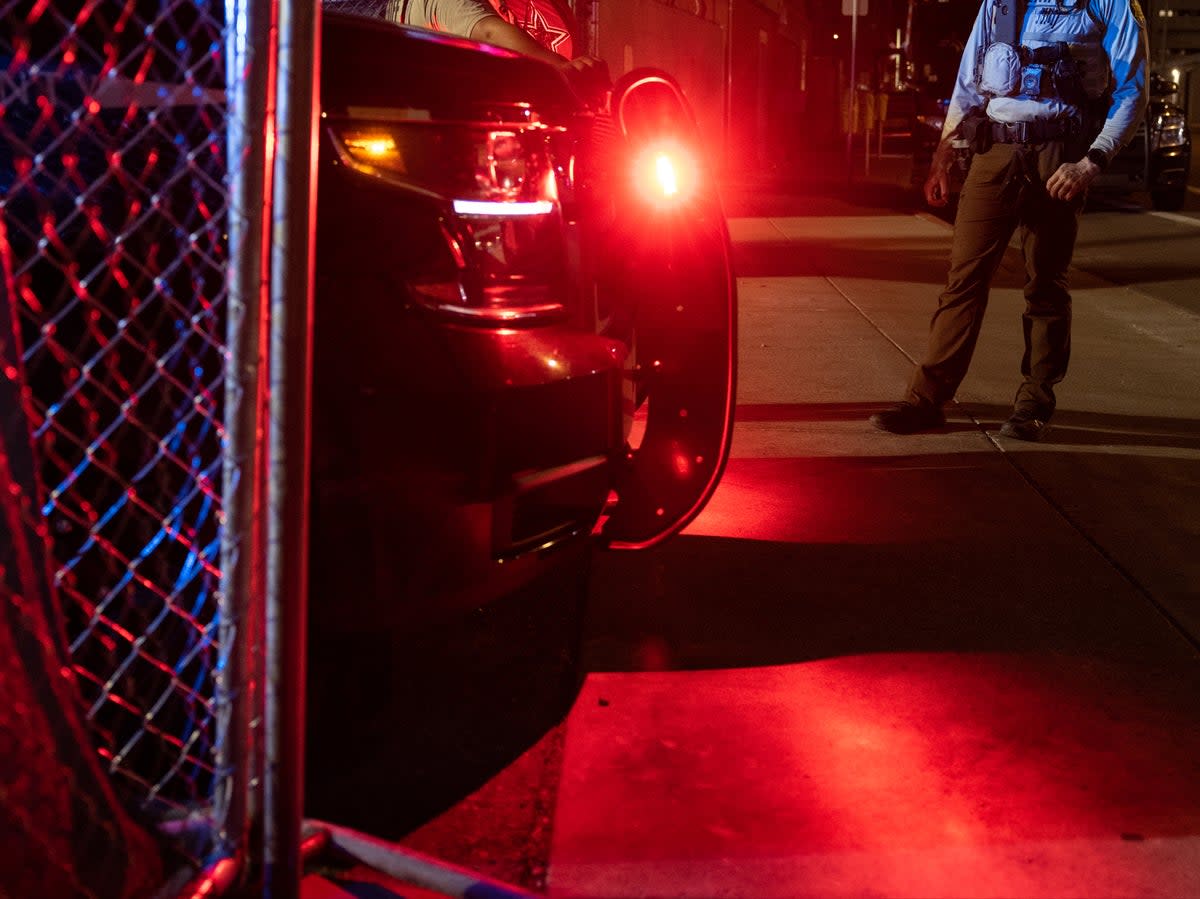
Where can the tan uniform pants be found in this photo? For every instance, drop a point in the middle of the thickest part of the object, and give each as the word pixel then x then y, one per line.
pixel 1004 193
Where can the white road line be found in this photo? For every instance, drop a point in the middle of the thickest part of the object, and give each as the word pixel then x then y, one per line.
pixel 1176 217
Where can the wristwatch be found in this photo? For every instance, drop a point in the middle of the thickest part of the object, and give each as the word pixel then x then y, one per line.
pixel 1099 157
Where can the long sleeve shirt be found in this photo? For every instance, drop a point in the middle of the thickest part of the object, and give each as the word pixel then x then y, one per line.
pixel 1108 37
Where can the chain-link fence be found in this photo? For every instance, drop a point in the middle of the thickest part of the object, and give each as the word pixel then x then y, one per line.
pixel 155 263
pixel 113 305
pixel 62 830
pixel 372 9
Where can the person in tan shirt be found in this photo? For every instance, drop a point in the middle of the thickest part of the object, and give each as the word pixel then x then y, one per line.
pixel 478 20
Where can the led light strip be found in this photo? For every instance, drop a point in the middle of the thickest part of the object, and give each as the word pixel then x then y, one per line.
pixel 493 207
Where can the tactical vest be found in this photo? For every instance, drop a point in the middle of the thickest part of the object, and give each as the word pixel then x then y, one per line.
pixel 1057 69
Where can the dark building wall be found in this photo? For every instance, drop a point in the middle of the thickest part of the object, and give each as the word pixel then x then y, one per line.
pixel 687 40
pixel 742 67
pixel 769 96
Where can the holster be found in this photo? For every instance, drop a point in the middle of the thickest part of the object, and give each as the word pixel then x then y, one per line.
pixel 975 130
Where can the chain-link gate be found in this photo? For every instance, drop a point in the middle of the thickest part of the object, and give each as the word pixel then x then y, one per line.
pixel 114 307
pixel 155 269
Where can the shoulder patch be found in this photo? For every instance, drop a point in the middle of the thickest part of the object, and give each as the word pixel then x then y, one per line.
pixel 1136 9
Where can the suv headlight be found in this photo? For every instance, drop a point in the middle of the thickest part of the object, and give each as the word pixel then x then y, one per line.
pixel 1168 130
pixel 502 222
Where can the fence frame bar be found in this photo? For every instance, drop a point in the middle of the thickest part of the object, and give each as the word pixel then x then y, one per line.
pixel 293 240
pixel 249 60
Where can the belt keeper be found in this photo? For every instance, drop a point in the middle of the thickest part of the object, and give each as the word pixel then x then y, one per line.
pixel 1010 132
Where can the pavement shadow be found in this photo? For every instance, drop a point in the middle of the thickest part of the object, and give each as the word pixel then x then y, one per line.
pixel 403 723
pixel 716 602
pixel 919 262
pixel 834 195
pixel 1125 267
pixel 1101 429
pixel 902 258
pixel 1069 427
pixel 748 413
pixel 799 559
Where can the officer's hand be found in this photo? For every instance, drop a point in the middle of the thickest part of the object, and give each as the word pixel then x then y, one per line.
pixel 937 187
pixel 1072 179
pixel 937 183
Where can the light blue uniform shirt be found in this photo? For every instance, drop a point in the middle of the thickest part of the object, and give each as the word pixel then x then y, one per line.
pixel 1107 36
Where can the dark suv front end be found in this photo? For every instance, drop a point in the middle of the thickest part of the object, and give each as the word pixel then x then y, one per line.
pixel 492 313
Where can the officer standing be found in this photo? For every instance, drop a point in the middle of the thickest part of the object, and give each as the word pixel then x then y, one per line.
pixel 1047 92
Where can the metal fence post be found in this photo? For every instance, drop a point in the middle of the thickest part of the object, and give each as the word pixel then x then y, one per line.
pixel 249 63
pixel 286 598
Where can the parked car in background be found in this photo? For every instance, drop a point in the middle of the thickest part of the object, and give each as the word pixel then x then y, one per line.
pixel 1159 156
pixel 524 323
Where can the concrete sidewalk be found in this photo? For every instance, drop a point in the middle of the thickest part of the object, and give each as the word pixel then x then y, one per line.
pixel 938 665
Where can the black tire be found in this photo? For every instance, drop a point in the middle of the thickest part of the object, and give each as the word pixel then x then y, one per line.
pixel 1169 200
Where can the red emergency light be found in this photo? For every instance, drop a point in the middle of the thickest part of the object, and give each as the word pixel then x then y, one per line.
pixel 665 175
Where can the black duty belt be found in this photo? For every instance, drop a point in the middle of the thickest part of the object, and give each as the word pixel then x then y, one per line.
pixel 1036 132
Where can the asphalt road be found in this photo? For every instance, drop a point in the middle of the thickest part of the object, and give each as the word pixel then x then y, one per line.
pixel 1154 253
pixel 941 665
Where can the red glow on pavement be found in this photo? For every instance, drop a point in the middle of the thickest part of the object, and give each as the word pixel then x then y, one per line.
pixel 950 774
pixel 850 501
pixel 784 500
